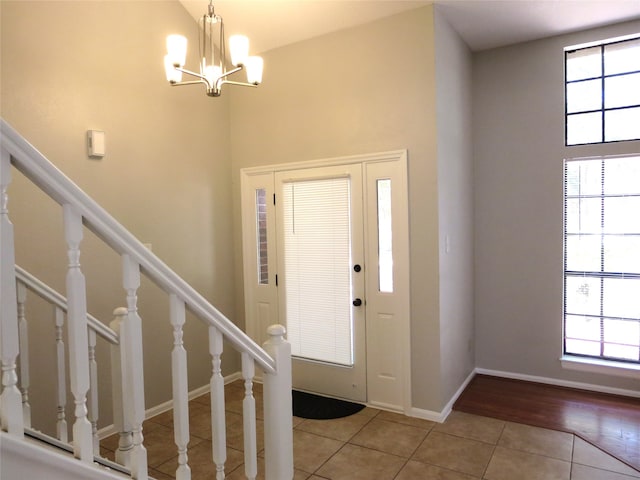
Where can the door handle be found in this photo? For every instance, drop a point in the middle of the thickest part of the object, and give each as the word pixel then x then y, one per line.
pixel 357 302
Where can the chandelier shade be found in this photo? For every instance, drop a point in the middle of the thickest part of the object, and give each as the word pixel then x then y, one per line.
pixel 213 72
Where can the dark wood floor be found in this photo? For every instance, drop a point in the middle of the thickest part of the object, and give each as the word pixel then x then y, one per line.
pixel 610 422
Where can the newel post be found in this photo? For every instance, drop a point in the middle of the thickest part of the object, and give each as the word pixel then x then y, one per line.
pixel 10 400
pixel 278 419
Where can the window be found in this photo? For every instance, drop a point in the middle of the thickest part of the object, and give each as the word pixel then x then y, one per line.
pixel 602 258
pixel 261 236
pixel 385 237
pixel 602 92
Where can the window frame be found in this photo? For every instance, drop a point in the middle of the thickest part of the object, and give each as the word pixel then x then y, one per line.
pixel 602 77
pixel 585 362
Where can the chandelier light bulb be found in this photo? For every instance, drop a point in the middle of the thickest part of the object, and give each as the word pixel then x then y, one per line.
pixel 177 50
pixel 239 49
pixel 212 73
pixel 254 68
pixel 173 75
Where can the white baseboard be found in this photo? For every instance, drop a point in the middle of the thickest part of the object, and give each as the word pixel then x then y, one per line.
pixel 559 383
pixel 444 413
pixel 166 406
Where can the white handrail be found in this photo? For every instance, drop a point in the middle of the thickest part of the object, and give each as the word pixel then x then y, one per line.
pixel 43 290
pixel 28 160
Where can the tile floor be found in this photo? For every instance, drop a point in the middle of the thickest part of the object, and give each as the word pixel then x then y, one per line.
pixel 375 444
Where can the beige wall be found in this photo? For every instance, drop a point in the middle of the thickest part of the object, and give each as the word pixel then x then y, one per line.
pixel 362 90
pixel 72 66
pixel 455 205
pixel 519 148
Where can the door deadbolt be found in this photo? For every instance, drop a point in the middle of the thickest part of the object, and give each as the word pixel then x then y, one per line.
pixel 357 302
pixel 357 267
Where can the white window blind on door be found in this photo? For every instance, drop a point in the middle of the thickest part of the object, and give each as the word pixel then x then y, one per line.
pixel 317 241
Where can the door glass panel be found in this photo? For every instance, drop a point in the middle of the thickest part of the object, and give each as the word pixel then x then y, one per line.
pixel 385 246
pixel 317 262
pixel 261 236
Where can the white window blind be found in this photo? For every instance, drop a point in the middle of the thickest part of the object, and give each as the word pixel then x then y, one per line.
pixel 317 241
pixel 602 258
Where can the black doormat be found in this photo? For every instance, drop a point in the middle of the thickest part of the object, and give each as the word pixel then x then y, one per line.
pixel 308 405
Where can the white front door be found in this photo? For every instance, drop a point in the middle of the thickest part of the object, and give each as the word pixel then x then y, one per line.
pixel 321 277
pixel 317 237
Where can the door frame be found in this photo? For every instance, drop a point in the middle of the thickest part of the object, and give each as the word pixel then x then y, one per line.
pixel 254 326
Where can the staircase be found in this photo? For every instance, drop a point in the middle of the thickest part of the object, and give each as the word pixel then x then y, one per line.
pixel 24 457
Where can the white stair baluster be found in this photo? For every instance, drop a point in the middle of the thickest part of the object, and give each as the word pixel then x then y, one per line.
pixel 93 391
pixel 249 418
pixel 11 418
pixel 180 388
pixel 218 425
pixel 77 333
pixel 61 423
pixel 132 361
pixel 120 422
pixel 278 423
pixel 23 332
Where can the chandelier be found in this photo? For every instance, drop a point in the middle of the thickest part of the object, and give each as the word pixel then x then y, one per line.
pixel 213 58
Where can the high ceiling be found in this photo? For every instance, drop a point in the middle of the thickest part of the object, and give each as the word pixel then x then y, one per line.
pixel 483 24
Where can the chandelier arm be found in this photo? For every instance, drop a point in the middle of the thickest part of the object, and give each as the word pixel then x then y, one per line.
pixel 242 84
pixel 202 78
pixel 230 72
pixel 194 82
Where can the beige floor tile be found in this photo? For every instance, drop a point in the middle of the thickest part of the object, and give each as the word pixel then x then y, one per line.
pixel 390 437
pixel 236 404
pixel 200 460
pixel 454 453
pixel 586 454
pixel 311 451
pixel 199 421
pixel 107 453
pixel 404 419
pixel 161 447
pixel 235 434
pixel 369 412
pixel 357 463
pixel 473 427
pixel 342 429
pixel 111 442
pixel 507 464
pixel 157 475
pixel 239 474
pixel 540 441
pixel 582 472
pixel 196 412
pixel 416 470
